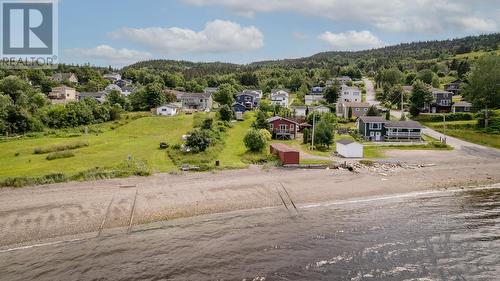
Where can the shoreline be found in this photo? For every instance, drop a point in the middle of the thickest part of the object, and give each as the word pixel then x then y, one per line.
pixel 83 237
pixel 32 214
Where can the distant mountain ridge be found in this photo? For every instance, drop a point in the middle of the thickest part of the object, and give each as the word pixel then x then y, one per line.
pixel 424 50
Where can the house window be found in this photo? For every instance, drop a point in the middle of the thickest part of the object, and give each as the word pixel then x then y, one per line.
pixel 282 127
pixel 366 109
pixel 466 109
pixel 271 126
pixel 357 109
pixel 163 109
pixel 374 126
pixel 292 127
pixel 201 100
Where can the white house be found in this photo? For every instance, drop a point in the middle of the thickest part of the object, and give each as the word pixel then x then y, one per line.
pixel 350 94
pixel 299 110
pixel 167 110
pixel 279 98
pixel 349 149
pixel 320 109
pixel 312 99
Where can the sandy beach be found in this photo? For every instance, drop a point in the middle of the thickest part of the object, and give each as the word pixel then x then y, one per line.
pixel 28 215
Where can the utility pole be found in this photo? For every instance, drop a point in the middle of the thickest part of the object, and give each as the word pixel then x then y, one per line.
pixel 486 121
pixel 444 123
pixel 313 131
pixel 402 105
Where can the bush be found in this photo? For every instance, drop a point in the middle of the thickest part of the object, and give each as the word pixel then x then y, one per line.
pixel 255 141
pixel 199 140
pixel 60 155
pixel 225 113
pixel 62 147
pixel 461 116
pixel 266 134
pixel 31 181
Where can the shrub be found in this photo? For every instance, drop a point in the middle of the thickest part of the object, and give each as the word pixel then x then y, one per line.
pixel 199 140
pixel 255 141
pixel 61 147
pixel 225 113
pixel 60 155
pixel 461 116
pixel 30 181
pixel 266 134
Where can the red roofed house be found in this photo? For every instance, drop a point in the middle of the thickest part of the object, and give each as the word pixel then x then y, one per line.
pixel 283 128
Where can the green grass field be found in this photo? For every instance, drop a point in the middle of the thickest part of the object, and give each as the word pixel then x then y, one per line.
pixel 234 152
pixel 378 151
pixel 139 138
pixel 465 130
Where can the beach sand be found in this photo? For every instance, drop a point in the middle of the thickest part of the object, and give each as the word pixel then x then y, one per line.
pixel 32 214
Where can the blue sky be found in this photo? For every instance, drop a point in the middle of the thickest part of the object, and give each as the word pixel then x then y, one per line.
pixel 119 32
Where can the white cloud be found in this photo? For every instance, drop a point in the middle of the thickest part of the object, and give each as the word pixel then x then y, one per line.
pixel 351 40
pixel 421 16
pixel 218 36
pixel 107 55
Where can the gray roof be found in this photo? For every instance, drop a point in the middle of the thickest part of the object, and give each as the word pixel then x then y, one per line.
pixel 346 141
pixel 404 124
pixel 373 119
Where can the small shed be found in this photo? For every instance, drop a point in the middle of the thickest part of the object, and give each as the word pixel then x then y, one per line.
pixel 287 155
pixel 167 110
pixel 349 149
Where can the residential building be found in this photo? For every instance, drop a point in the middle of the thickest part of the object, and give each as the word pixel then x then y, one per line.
pixel 461 107
pixel 210 90
pixel 358 109
pixel 350 94
pixel 372 127
pixel 279 97
pixel 62 77
pixel 123 82
pixel 197 101
pixel 317 91
pixel 314 99
pixel 349 149
pixel 343 80
pixel 453 87
pixel 300 111
pixel 320 108
pixel 250 100
pixel 378 129
pixel 239 108
pixel 257 93
pixel 442 101
pixel 283 128
pixel 98 96
pixel 63 94
pixel 403 130
pixel 127 90
pixel 167 110
pixel 113 77
pixel 112 87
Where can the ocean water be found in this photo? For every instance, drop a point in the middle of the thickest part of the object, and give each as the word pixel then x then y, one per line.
pixel 450 235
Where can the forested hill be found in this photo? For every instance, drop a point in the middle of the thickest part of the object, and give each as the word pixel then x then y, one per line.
pixel 380 57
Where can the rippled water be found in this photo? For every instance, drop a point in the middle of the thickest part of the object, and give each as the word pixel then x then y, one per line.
pixel 437 236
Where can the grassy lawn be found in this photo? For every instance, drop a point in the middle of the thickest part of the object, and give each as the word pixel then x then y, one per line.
pixel 465 130
pixel 374 151
pixel 234 152
pixel 139 138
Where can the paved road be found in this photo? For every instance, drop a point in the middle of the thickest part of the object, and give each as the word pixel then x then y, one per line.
pixel 467 147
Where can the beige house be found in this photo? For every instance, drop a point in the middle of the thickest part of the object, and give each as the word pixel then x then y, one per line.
pixel 63 94
pixel 61 77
